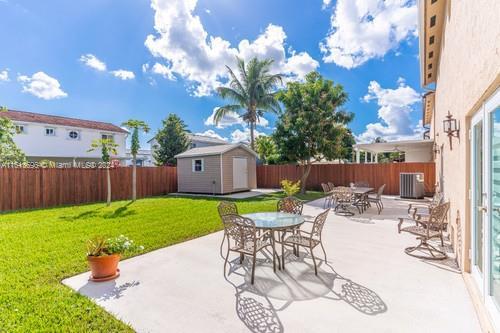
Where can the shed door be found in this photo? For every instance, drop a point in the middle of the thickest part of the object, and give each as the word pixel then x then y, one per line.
pixel 240 172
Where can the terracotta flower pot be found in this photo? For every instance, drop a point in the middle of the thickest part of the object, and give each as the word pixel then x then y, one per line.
pixel 104 268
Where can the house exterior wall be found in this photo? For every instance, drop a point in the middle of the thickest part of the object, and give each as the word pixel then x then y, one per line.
pixel 468 69
pixel 468 73
pixel 36 145
pixel 199 182
pixel 421 155
pixel 227 165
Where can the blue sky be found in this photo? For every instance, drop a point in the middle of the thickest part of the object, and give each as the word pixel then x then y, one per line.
pixel 143 59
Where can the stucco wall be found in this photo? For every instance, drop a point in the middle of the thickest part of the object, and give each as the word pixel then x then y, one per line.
pixel 468 70
pixel 422 155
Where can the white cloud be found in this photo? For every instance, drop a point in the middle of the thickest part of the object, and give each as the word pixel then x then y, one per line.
pixel 123 74
pixel 42 86
pixel 231 119
pixel 212 134
pixel 326 3
pixel 163 70
pixel 191 53
pixel 92 61
pixel 244 135
pixel 364 29
pixel 394 113
pixel 4 75
pixel 207 11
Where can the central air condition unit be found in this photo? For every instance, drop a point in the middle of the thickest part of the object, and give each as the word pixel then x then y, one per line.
pixel 411 185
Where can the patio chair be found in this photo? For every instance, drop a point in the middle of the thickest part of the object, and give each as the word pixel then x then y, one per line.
pixel 328 196
pixel 242 238
pixel 344 198
pixel 290 205
pixel 432 229
pixel 226 208
pixel 377 199
pixel 331 186
pixel 306 239
pixel 415 209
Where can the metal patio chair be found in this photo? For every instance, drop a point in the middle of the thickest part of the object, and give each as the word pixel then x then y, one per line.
pixel 433 228
pixel 290 205
pixel 226 208
pixel 424 208
pixel 242 238
pixel 377 199
pixel 328 196
pixel 344 198
pixel 307 239
pixel 331 186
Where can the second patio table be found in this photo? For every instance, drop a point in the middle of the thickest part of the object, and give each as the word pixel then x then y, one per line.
pixel 275 221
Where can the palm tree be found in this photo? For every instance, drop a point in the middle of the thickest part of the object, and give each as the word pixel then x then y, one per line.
pixel 252 94
pixel 135 125
pixel 107 147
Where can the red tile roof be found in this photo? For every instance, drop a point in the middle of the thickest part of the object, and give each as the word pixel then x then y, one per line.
pixel 62 121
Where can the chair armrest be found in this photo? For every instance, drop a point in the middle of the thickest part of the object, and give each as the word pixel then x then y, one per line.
pixel 264 234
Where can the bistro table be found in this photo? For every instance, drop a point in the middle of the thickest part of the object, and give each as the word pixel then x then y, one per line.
pixel 275 222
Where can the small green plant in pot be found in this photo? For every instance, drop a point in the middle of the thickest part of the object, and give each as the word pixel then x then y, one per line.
pixel 290 188
pixel 103 255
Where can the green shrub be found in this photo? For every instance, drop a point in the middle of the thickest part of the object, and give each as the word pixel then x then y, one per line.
pixel 289 187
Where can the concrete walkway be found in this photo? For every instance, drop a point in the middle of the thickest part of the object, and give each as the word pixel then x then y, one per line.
pixel 367 285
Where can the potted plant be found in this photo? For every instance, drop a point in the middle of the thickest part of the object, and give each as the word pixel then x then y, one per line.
pixel 103 255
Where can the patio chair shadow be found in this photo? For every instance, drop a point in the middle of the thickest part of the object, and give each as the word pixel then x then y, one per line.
pixel 299 283
pixel 103 291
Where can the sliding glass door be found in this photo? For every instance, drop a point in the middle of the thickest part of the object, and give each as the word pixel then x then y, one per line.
pixel 494 214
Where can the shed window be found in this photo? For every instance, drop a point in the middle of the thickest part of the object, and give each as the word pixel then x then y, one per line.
pixel 198 165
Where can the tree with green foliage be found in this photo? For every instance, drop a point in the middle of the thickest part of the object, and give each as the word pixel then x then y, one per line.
pixel 106 147
pixel 135 126
pixel 252 94
pixel 172 139
pixel 312 128
pixel 9 152
pixel 266 149
pixel 346 150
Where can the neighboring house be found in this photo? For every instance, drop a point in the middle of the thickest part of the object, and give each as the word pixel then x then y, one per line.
pixel 62 139
pixel 414 150
pixel 143 158
pixel 460 63
pixel 217 169
pixel 197 141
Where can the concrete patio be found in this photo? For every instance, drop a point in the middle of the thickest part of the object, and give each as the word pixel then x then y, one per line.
pixel 367 285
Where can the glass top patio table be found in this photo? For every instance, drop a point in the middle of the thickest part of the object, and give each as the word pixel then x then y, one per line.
pixel 275 220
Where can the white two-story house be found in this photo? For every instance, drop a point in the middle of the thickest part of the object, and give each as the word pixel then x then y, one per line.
pixel 62 139
pixel 197 141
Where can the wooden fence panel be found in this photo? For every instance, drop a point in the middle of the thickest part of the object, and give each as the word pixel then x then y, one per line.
pixel 269 176
pixel 38 188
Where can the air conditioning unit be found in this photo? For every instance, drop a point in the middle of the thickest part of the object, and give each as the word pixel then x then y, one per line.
pixel 411 185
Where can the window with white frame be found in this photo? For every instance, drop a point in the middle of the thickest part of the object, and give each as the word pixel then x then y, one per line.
pixel 73 135
pixel 198 165
pixel 50 131
pixel 20 129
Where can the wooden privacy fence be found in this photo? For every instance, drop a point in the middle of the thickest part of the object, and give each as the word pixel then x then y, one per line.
pixel 35 188
pixel 269 176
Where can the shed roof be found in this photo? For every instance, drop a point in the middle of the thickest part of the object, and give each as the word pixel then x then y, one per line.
pixel 213 150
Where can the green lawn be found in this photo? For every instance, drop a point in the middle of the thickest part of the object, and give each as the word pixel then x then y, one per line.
pixel 39 248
